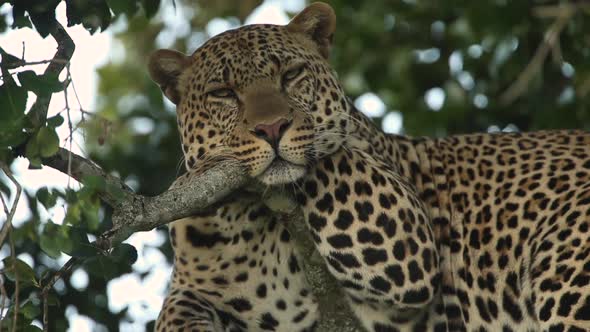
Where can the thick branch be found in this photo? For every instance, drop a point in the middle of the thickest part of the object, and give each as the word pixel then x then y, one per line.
pixel 136 213
pixel 140 213
pixel 81 167
pixel 65 50
pixel 336 315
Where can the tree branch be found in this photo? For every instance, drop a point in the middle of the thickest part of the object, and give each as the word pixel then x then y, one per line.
pixel 9 213
pixel 550 42
pixel 48 284
pixel 7 227
pixel 141 213
pixel 136 213
pixel 62 57
pixel 79 167
pixel 336 315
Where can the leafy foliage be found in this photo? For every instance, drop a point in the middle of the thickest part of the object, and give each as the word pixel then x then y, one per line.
pixel 472 56
pixel 41 239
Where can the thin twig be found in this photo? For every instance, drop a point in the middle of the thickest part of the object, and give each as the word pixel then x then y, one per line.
pixel 584 88
pixel 48 284
pixel 67 106
pixel 45 312
pixel 4 299
pixel 556 54
pixel 76 94
pixel 551 38
pixel 6 225
pixel 16 280
pixel 19 64
pixel 554 11
pixel 10 216
pixel 79 124
pixel 6 76
pixel 79 167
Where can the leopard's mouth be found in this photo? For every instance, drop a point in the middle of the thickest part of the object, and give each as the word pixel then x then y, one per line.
pixel 281 171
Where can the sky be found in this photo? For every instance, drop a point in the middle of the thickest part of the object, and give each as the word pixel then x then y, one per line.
pixel 144 297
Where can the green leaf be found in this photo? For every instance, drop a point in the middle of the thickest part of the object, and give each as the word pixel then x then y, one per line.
pixel 94 183
pixel 21 20
pixel 10 61
pixel 23 324
pixel 42 14
pixel 115 191
pixel 32 328
pixel 116 264
pixel 71 196
pixel 28 79
pixel 6 155
pixel 15 267
pixel 74 214
pixel 124 254
pixel 52 299
pixel 55 121
pixel 90 214
pixel 81 247
pixel 30 310
pixel 47 142
pixel 13 100
pixel 11 136
pixel 150 7
pixel 32 149
pixel 101 266
pixel 44 84
pixel 44 144
pixel 35 163
pixel 54 239
pixel 119 7
pixel 50 245
pixel 46 197
pixel 91 14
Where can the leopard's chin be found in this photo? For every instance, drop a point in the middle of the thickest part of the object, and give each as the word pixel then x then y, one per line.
pixel 280 172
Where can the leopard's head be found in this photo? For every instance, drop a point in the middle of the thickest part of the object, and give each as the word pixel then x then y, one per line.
pixel 263 95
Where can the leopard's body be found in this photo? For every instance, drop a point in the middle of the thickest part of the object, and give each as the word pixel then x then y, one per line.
pixel 235 270
pixel 482 232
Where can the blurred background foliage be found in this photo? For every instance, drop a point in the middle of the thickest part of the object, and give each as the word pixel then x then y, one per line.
pixel 431 68
pixel 440 67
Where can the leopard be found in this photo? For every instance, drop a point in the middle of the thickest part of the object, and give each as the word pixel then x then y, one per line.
pixel 471 232
pixel 235 269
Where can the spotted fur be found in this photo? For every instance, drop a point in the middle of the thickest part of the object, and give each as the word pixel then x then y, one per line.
pixel 235 270
pixel 482 232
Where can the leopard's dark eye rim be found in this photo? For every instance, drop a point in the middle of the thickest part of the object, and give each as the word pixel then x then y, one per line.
pixel 293 73
pixel 222 93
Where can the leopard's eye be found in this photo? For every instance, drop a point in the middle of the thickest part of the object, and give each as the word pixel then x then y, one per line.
pixel 222 93
pixel 292 74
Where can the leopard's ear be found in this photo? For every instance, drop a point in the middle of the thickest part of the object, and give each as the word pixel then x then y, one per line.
pixel 318 22
pixel 165 66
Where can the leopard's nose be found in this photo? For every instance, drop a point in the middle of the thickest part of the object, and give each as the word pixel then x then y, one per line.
pixel 272 133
